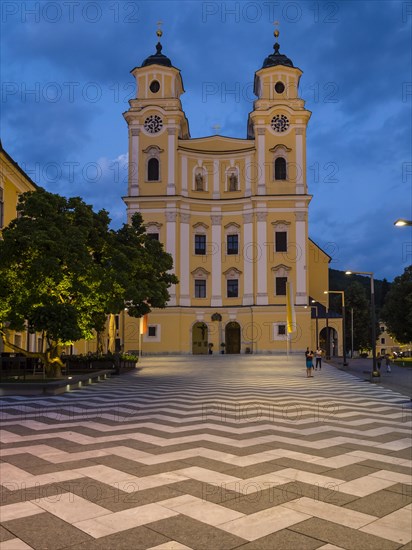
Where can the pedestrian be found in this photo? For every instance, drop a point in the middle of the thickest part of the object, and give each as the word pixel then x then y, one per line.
pixel 309 364
pixel 307 352
pixel 379 361
pixel 388 363
pixel 318 356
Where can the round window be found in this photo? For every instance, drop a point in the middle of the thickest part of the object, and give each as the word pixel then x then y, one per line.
pixel 154 86
pixel 279 87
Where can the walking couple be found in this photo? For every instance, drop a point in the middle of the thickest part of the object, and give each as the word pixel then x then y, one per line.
pixel 309 361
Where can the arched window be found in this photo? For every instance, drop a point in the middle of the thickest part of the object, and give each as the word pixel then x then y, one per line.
pixel 280 168
pixel 153 169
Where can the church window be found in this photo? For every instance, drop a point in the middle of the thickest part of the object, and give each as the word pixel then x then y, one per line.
pixel 281 244
pixel 200 244
pixel 281 330
pixel 281 286
pixel 152 330
pixel 232 288
pixel 280 168
pixel 233 244
pixel 200 288
pixel 153 169
pixel 154 236
pixel 154 86
pixel 279 87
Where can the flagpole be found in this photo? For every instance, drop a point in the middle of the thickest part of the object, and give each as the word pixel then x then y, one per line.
pixel 140 337
pixel 290 315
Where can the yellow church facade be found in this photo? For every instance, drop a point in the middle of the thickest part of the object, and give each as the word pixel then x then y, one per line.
pixel 233 213
pixel 13 182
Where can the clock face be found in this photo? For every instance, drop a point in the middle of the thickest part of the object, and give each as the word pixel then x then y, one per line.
pixel 280 123
pixel 153 124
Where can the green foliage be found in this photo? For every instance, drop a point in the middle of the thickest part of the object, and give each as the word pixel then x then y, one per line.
pixel 63 270
pixel 397 310
pixel 355 297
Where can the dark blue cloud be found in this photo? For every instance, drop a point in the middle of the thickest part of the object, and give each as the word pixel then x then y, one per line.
pixel 356 58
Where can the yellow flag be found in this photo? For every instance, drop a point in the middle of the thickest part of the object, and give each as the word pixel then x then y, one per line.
pixel 143 325
pixel 290 309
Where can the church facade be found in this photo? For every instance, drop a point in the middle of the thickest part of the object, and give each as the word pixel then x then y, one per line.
pixel 232 212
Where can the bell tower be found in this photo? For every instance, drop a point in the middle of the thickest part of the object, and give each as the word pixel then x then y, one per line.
pixel 278 124
pixel 156 121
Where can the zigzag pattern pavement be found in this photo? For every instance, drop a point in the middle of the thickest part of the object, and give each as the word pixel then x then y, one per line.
pixel 208 453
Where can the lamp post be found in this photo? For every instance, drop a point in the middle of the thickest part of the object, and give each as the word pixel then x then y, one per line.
pixel 317 326
pixel 370 274
pixel 342 293
pixel 351 332
pixel 401 223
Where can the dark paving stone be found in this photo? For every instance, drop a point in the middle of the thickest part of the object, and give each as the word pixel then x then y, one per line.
pixel 253 470
pixel 26 461
pixel 380 503
pixel 283 540
pixel 90 489
pixel 301 465
pixel 260 500
pixel 144 470
pixel 138 538
pixel 123 501
pixel 327 452
pixel 21 493
pixel 195 534
pixel 404 489
pixel 5 534
pixel 353 471
pixel 329 494
pixel 208 464
pixel 405 453
pixel 345 537
pixel 385 466
pixel 205 491
pixel 45 531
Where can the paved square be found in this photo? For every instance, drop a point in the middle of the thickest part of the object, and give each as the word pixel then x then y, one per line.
pixel 209 453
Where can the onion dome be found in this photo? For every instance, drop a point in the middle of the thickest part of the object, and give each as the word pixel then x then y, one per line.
pixel 157 58
pixel 276 58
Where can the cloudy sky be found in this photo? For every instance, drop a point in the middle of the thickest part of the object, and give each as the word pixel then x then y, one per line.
pixel 65 68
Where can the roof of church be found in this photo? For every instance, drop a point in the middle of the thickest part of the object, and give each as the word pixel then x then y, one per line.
pixel 277 58
pixel 157 58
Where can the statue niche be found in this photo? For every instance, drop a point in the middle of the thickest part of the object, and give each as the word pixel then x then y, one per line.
pixel 233 182
pixel 199 181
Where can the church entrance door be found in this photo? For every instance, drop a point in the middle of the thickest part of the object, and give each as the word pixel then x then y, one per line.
pixel 199 339
pixel 232 337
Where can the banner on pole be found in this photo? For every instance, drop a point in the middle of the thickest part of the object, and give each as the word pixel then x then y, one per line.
pixel 143 324
pixel 290 309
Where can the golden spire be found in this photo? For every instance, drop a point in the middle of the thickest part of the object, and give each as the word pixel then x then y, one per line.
pixel 159 31
pixel 276 31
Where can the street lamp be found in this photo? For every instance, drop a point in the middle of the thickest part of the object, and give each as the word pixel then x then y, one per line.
pixel 317 326
pixel 342 293
pixel 316 317
pixel 369 274
pixel 401 223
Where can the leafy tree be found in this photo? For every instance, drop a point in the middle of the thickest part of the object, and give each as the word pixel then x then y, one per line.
pixel 355 297
pixel 62 270
pixel 397 310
